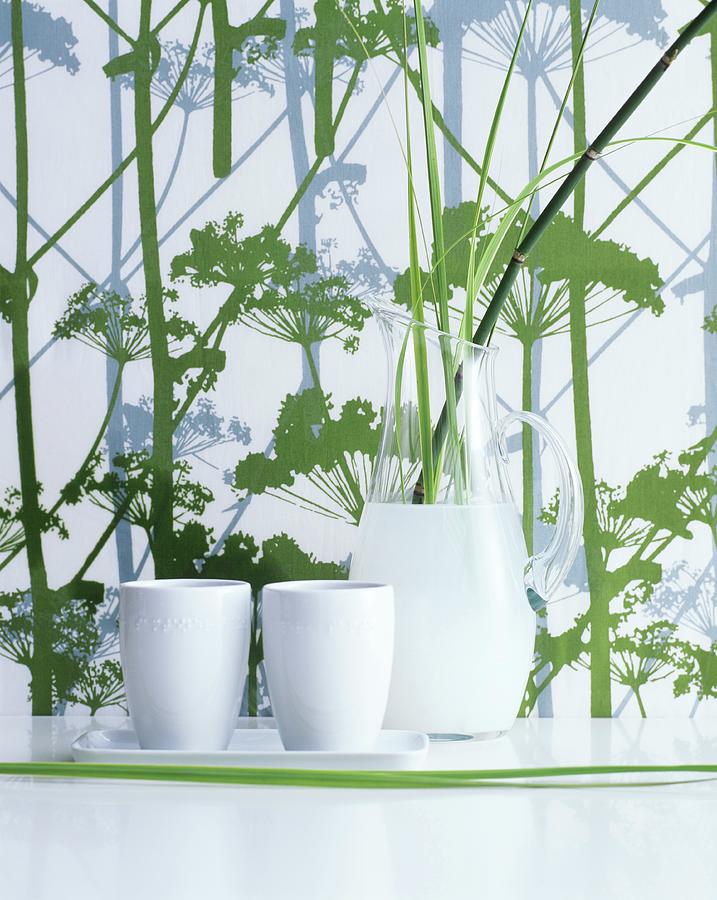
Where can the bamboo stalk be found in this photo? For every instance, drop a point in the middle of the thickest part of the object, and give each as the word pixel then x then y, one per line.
pixel 580 169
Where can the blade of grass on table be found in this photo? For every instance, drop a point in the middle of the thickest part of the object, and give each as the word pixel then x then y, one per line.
pixel 472 778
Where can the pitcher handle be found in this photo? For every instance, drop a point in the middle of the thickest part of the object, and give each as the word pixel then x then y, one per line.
pixel 546 570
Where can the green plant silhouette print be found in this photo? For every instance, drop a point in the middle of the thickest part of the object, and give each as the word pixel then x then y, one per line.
pixel 277 291
pixel 150 488
pixel 228 39
pixel 49 41
pixel 333 455
pixel 101 686
pixel 192 386
pixel 661 506
pixel 281 293
pixel 343 32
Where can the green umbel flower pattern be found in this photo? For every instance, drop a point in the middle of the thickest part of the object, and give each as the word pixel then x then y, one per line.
pixel 193 387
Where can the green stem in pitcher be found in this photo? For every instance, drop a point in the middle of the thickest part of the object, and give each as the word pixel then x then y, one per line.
pixel 397 413
pixel 528 460
pixel 423 396
pixel 434 183
pixel 441 277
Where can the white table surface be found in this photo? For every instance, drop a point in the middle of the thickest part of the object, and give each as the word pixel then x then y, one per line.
pixel 105 840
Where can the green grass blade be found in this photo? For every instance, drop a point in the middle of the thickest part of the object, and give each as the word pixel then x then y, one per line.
pixel 425 427
pixel 397 391
pixel 684 142
pixel 544 180
pixel 556 125
pixel 652 174
pixel 311 778
pixel 511 212
pixel 434 184
pixel 467 329
pixel 443 317
pixel 387 106
pixel 453 438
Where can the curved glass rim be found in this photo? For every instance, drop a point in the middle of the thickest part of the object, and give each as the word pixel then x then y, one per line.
pixel 397 314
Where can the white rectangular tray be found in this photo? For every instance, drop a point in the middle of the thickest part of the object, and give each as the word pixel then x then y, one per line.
pixel 254 748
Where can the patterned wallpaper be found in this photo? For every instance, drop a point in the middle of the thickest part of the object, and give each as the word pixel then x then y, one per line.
pixel 195 198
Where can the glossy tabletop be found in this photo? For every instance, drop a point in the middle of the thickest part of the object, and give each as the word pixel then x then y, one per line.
pixel 106 840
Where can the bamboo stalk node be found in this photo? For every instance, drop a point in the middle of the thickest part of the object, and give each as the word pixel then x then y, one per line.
pixel 669 58
pixel 519 258
pixel 592 154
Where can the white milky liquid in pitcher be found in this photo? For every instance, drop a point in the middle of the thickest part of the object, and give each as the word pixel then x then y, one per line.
pixel 464 627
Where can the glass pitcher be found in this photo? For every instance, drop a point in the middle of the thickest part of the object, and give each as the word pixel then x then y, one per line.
pixel 440 525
